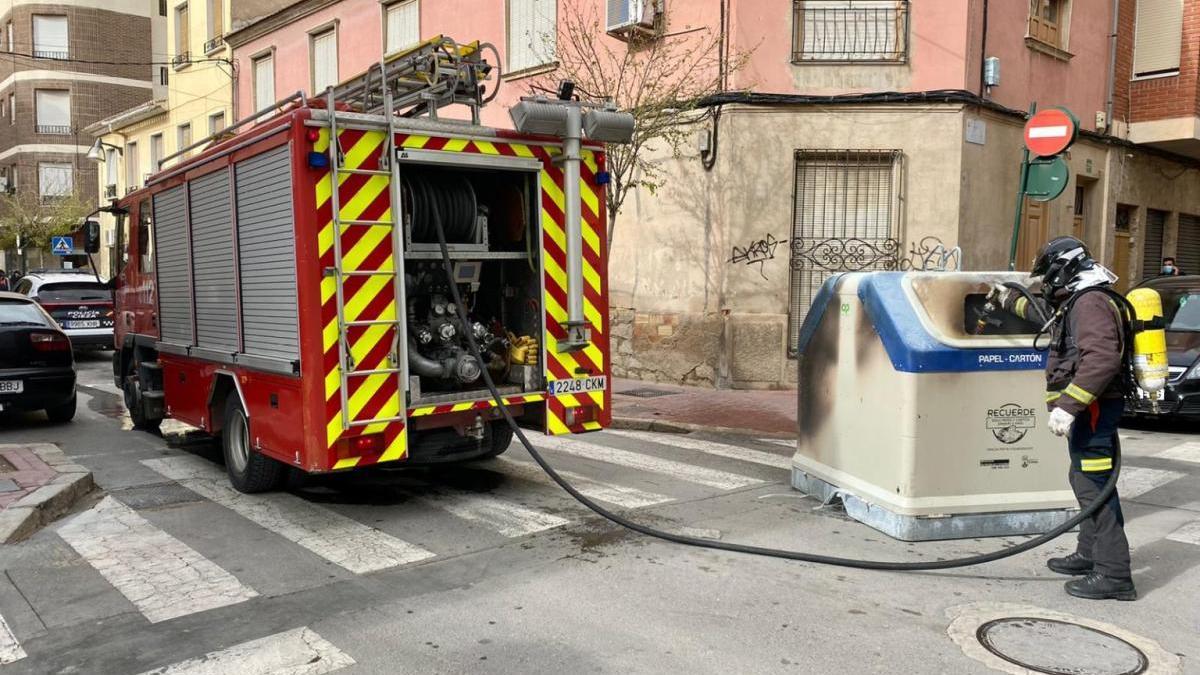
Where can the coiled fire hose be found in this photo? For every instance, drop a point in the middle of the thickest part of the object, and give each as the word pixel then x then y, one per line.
pixel 900 566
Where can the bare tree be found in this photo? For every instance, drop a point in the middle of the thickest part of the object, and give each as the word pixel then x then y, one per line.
pixel 658 77
pixel 33 219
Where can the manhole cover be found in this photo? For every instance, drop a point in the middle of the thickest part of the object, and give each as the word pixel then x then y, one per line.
pixel 647 393
pixel 1060 648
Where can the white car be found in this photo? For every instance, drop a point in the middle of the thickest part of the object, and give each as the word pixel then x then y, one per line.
pixel 81 304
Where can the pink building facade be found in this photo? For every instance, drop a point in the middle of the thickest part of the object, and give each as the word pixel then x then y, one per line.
pixel 867 123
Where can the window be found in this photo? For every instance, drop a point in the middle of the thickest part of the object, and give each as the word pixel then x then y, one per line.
pixel 156 151
pixel 12 107
pixel 849 31
pixel 110 168
pixel 55 181
pixel 4 108
pixel 183 137
pixel 133 175
pixel 264 82
pixel 53 111
pixel 1157 38
pixel 532 33
pixel 9 30
pixel 216 26
pixel 844 218
pixel 1048 22
pixel 182 29
pixel 162 75
pixel 402 22
pixel 50 37
pixel 162 7
pixel 216 122
pixel 324 60
pixel 145 243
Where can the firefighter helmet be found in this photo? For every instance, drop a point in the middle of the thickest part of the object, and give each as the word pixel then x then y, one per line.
pixel 1059 262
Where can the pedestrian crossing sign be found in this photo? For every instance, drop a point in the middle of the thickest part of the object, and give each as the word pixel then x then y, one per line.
pixel 62 246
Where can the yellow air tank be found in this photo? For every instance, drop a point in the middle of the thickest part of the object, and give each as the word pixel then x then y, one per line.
pixel 1149 344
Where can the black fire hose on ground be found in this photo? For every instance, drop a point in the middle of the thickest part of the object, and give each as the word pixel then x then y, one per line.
pixel 1105 494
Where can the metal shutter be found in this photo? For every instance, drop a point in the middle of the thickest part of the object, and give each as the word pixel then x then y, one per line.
pixel 266 251
pixel 174 267
pixel 1158 36
pixel 1153 242
pixel 1187 247
pixel 213 263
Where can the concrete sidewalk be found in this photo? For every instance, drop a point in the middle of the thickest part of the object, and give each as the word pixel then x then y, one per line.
pixel 666 407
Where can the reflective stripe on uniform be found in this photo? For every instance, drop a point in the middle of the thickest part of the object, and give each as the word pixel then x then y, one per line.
pixel 1052 396
pixel 1094 465
pixel 1020 306
pixel 1079 394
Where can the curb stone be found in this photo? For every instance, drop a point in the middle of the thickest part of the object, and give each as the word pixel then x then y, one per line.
pixel 40 507
pixel 663 426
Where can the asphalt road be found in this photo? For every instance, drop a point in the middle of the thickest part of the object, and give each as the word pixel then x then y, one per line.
pixel 490 568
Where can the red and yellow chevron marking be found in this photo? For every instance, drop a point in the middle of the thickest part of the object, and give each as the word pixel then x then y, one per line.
pixel 366 298
pixel 425 411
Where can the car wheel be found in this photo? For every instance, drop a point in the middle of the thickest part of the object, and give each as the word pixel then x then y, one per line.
pixel 501 438
pixel 133 403
pixel 62 413
pixel 249 470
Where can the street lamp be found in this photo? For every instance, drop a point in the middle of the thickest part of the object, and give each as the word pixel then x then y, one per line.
pixel 96 153
pixel 570 120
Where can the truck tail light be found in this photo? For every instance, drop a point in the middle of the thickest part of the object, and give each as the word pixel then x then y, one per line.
pixel 49 342
pixel 316 160
pixel 574 416
pixel 367 444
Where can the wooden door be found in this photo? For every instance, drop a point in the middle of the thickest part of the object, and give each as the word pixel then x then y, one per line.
pixel 1121 261
pixel 1034 233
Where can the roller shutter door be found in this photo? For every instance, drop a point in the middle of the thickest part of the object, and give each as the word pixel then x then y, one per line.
pixel 266 252
pixel 213 263
pixel 1153 242
pixel 174 269
pixel 1187 248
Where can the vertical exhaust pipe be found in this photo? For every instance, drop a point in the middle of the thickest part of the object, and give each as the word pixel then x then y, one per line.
pixel 578 333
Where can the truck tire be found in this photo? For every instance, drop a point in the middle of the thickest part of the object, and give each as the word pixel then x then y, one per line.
pixel 63 412
pixel 132 391
pixel 249 470
pixel 500 438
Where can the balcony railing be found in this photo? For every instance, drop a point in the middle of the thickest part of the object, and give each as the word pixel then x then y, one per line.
pixel 850 31
pixel 214 44
pixel 181 59
pixel 58 129
pixel 60 54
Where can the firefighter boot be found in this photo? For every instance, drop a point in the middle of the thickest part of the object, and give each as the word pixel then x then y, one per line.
pixel 1072 564
pixel 1096 586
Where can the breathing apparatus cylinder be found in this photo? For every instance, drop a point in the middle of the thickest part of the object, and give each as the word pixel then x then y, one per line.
pixel 1149 342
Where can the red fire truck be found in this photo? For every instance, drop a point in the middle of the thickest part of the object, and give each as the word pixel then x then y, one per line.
pixel 284 288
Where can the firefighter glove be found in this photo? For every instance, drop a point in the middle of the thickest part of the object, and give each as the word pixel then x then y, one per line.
pixel 1060 422
pixel 1003 295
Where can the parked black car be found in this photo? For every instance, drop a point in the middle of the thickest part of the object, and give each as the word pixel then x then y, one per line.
pixel 37 366
pixel 1181 310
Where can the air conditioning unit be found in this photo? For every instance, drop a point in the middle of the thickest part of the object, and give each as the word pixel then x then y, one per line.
pixel 626 17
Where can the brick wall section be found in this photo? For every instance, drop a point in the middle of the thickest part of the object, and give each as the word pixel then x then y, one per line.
pixel 90 101
pixel 93 34
pixel 1126 24
pixel 26 167
pixel 1168 97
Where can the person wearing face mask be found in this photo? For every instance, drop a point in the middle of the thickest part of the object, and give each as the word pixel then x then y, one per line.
pixel 1169 268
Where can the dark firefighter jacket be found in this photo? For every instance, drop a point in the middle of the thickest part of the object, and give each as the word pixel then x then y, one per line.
pixel 1084 364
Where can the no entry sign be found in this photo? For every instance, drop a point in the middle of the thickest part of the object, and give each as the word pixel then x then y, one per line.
pixel 1050 131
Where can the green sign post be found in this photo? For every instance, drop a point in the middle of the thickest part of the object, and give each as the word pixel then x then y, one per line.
pixel 1047 135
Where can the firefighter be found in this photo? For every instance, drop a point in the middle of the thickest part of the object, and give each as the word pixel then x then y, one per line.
pixel 1085 398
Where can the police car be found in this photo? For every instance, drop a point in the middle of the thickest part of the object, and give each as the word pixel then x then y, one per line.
pixel 77 300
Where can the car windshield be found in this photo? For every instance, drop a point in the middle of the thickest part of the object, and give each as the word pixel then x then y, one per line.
pixel 18 313
pixel 73 291
pixel 1182 310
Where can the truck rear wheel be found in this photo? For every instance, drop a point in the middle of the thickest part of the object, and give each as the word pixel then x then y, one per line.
pixel 249 470
pixel 500 438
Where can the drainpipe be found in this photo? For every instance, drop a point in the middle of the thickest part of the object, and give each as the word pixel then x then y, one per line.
pixel 983 53
pixel 1112 66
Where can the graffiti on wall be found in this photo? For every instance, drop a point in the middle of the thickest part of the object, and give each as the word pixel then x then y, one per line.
pixel 757 253
pixel 931 255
